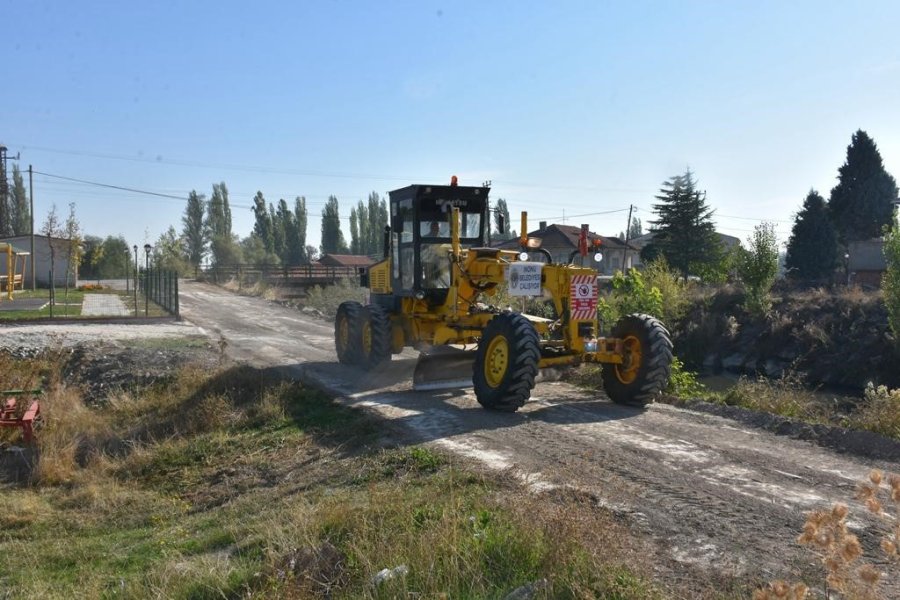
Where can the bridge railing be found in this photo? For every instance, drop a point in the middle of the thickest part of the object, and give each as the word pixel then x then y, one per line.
pixel 248 274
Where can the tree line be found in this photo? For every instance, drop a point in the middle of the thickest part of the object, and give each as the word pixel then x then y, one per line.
pixel 860 207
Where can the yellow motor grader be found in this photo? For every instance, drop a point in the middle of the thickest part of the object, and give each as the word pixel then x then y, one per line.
pixel 432 291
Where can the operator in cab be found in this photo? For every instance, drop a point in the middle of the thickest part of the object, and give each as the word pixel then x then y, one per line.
pixel 435 259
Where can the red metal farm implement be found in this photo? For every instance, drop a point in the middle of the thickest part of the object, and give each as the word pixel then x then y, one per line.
pixel 14 413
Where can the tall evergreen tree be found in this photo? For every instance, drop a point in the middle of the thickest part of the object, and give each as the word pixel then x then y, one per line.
pixel 812 249
pixel 262 226
pixel 20 212
pixel 194 231
pixel 684 232
pixel 861 203
pixel 332 236
pixel 300 224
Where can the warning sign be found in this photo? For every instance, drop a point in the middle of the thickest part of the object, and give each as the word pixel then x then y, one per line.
pixel 524 278
pixel 583 297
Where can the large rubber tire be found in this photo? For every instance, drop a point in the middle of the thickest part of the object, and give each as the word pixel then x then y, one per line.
pixel 648 361
pixel 506 362
pixel 375 349
pixel 348 333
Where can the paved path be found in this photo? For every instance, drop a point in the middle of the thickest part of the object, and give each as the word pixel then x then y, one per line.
pixel 103 305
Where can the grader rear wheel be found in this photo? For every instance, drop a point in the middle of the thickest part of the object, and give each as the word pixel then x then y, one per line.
pixel 376 337
pixel 647 361
pixel 506 362
pixel 348 333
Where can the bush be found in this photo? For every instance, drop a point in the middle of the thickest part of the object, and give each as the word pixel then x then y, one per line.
pixel 327 299
pixel 683 383
pixel 757 266
pixel 631 294
pixel 673 289
pixel 891 282
pixel 879 412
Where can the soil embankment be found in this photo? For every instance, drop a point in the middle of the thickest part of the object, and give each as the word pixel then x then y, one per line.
pixel 826 338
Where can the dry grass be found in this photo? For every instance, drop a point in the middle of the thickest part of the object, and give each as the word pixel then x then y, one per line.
pixel 241 483
pixel 847 572
pixel 787 397
pixel 879 412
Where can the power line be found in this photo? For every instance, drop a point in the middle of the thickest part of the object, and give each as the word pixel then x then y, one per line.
pixel 592 214
pixel 314 173
pixel 111 186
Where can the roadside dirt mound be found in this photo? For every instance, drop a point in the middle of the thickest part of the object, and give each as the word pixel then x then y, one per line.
pixel 101 368
pixel 834 338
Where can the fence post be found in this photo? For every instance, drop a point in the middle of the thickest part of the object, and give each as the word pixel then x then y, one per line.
pixel 177 305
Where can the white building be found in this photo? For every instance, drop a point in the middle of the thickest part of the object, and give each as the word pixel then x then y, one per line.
pixel 41 257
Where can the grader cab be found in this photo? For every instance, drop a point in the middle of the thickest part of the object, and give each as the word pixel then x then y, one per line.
pixel 433 291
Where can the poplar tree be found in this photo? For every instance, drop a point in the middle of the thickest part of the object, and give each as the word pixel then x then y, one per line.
pixel 262 226
pixel 300 217
pixel 20 211
pixel 378 219
pixel 332 236
pixel 501 224
pixel 194 232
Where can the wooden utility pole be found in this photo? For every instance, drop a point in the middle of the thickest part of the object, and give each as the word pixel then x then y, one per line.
pixel 628 226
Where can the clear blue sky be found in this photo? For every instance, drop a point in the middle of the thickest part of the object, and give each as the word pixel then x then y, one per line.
pixel 568 107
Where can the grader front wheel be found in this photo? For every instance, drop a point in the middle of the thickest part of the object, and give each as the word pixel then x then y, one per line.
pixel 506 362
pixel 647 363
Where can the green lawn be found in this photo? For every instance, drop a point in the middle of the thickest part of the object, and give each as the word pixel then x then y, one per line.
pixel 69 304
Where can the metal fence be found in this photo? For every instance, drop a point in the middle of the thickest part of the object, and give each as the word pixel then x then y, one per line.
pixel 161 287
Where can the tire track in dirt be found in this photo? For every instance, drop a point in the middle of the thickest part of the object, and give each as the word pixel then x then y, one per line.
pixel 713 492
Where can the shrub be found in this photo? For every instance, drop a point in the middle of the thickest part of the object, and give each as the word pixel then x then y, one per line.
pixel 879 411
pixel 673 289
pixel 757 266
pixel 683 383
pixel 631 294
pixel 327 299
pixel 891 282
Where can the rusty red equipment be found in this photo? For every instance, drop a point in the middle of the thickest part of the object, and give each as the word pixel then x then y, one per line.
pixel 12 415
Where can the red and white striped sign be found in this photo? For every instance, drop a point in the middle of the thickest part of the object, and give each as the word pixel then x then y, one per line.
pixel 583 295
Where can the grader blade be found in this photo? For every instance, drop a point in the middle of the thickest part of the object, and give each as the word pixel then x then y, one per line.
pixel 443 368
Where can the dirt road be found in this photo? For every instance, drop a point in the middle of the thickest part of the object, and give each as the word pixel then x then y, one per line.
pixel 714 493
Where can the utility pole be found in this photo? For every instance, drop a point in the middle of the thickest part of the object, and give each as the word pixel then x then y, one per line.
pixel 31 210
pixel 628 226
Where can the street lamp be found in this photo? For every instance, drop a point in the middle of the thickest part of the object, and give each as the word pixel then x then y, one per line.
pixel 147 248
pixel 135 280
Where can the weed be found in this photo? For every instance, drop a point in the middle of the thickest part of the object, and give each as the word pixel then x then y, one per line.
pixel 683 383
pixel 826 534
pixel 879 412
pixel 327 299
